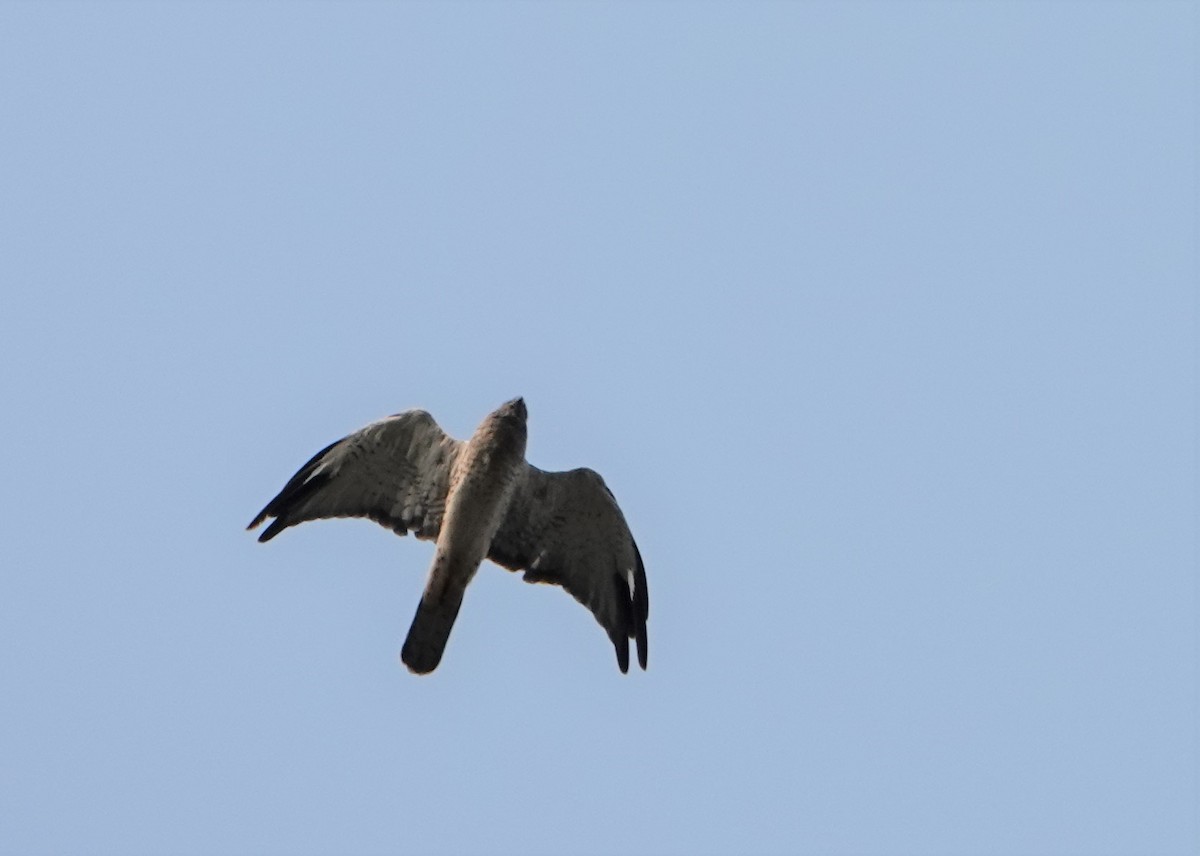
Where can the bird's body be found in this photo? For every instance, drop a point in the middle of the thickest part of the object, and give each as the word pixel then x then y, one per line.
pixel 478 499
pixel 481 486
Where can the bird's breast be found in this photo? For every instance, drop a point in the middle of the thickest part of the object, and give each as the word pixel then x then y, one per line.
pixel 480 489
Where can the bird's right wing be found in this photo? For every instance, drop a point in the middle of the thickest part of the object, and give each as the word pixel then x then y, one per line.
pixel 566 529
pixel 395 471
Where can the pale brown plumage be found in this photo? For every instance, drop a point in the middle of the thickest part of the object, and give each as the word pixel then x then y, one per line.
pixel 478 499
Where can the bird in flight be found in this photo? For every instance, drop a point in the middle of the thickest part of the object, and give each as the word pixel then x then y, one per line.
pixel 477 500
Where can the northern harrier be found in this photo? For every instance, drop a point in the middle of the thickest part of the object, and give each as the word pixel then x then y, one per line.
pixel 478 500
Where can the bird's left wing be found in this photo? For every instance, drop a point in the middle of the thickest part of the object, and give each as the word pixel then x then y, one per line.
pixel 395 471
pixel 566 529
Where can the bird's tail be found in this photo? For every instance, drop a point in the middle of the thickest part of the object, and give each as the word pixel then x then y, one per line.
pixel 430 630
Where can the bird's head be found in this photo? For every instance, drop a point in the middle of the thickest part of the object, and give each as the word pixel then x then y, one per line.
pixel 505 426
pixel 514 409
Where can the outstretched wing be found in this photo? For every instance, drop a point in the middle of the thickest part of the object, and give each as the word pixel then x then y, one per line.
pixel 566 529
pixel 395 471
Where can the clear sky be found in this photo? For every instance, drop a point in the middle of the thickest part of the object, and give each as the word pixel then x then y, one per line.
pixel 879 319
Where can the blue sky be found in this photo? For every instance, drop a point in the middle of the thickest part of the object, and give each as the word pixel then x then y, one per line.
pixel 879 320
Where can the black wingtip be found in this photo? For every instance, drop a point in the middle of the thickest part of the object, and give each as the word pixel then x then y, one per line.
pixel 277 526
pixel 298 488
pixel 622 647
pixel 641 609
pixel 620 631
pixel 271 531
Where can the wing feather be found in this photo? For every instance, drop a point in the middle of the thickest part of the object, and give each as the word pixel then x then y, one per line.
pixel 566 529
pixel 395 471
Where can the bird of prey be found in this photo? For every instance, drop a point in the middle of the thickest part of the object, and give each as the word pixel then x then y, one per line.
pixel 478 500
